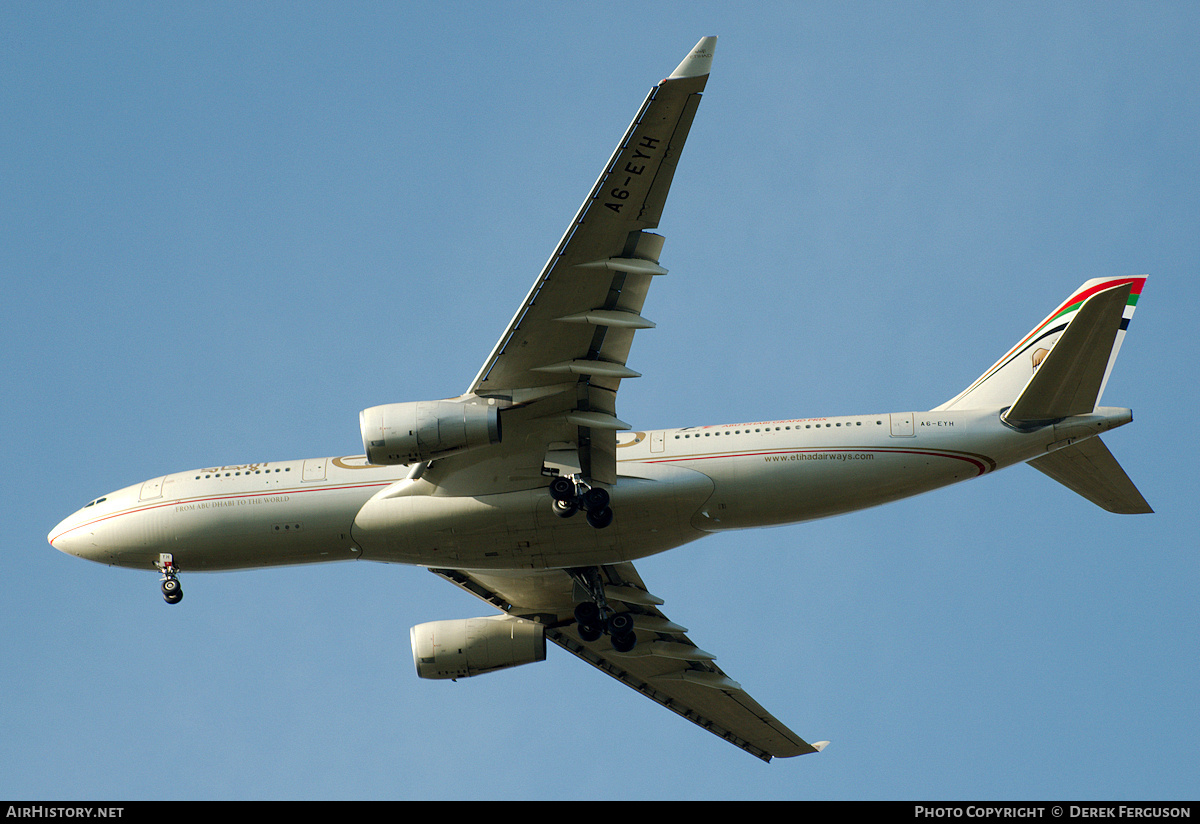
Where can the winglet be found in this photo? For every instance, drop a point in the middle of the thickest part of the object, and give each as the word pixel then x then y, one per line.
pixel 820 745
pixel 699 62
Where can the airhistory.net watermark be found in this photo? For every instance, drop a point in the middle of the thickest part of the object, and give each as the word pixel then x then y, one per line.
pixel 50 811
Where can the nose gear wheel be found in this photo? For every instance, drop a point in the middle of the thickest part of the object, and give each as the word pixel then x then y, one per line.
pixel 172 591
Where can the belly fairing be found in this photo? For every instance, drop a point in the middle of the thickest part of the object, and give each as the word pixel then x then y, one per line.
pixel 411 524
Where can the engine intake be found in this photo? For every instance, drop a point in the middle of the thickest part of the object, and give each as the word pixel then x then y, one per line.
pixel 460 649
pixel 406 433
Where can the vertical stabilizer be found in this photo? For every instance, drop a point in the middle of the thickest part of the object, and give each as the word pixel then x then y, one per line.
pixel 1070 378
pixel 1085 361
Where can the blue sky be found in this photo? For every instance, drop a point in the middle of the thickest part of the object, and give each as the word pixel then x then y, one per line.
pixel 229 227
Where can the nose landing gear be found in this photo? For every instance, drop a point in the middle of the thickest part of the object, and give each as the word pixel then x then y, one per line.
pixel 172 592
pixel 570 494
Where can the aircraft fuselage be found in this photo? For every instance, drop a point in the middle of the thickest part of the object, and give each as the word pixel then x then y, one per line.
pixel 674 486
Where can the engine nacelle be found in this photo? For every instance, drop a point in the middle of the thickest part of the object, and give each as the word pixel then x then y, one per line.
pixel 460 649
pixel 407 433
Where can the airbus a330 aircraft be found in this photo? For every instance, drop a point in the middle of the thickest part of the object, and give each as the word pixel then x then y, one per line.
pixel 529 492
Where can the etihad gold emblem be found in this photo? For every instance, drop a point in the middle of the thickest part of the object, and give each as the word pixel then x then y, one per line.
pixel 353 462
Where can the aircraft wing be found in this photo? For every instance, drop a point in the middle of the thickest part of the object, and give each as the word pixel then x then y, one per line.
pixel 563 355
pixel 665 666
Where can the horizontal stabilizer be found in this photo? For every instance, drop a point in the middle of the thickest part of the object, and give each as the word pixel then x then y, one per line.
pixel 1068 381
pixel 1089 469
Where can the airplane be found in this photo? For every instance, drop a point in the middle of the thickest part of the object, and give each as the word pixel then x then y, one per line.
pixel 529 492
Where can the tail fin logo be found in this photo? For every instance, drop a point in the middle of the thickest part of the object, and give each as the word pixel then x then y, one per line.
pixel 1039 355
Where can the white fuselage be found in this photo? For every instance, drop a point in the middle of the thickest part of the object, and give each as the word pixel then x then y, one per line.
pixel 674 486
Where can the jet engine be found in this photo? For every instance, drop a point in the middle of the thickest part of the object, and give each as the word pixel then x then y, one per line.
pixel 459 649
pixel 407 433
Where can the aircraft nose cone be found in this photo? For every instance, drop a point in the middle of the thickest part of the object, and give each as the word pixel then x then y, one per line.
pixel 68 540
pixel 74 538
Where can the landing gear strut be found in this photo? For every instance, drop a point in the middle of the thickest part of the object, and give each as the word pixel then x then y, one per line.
pixel 172 592
pixel 595 618
pixel 569 494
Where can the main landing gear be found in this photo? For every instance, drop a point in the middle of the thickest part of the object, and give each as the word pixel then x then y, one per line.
pixel 172 592
pixel 594 617
pixel 570 494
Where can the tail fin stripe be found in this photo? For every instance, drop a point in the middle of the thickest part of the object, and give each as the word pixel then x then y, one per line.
pixel 1071 305
pixel 1075 301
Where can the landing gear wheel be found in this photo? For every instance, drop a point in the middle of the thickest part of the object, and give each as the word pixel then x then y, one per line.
pixel 600 518
pixel 594 617
pixel 624 642
pixel 172 592
pixel 587 613
pixel 589 621
pixel 594 500
pixel 564 509
pixel 620 624
pixel 620 627
pixel 570 493
pixel 590 632
pixel 562 489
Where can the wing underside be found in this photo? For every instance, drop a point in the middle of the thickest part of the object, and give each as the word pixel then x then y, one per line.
pixel 665 666
pixel 563 356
